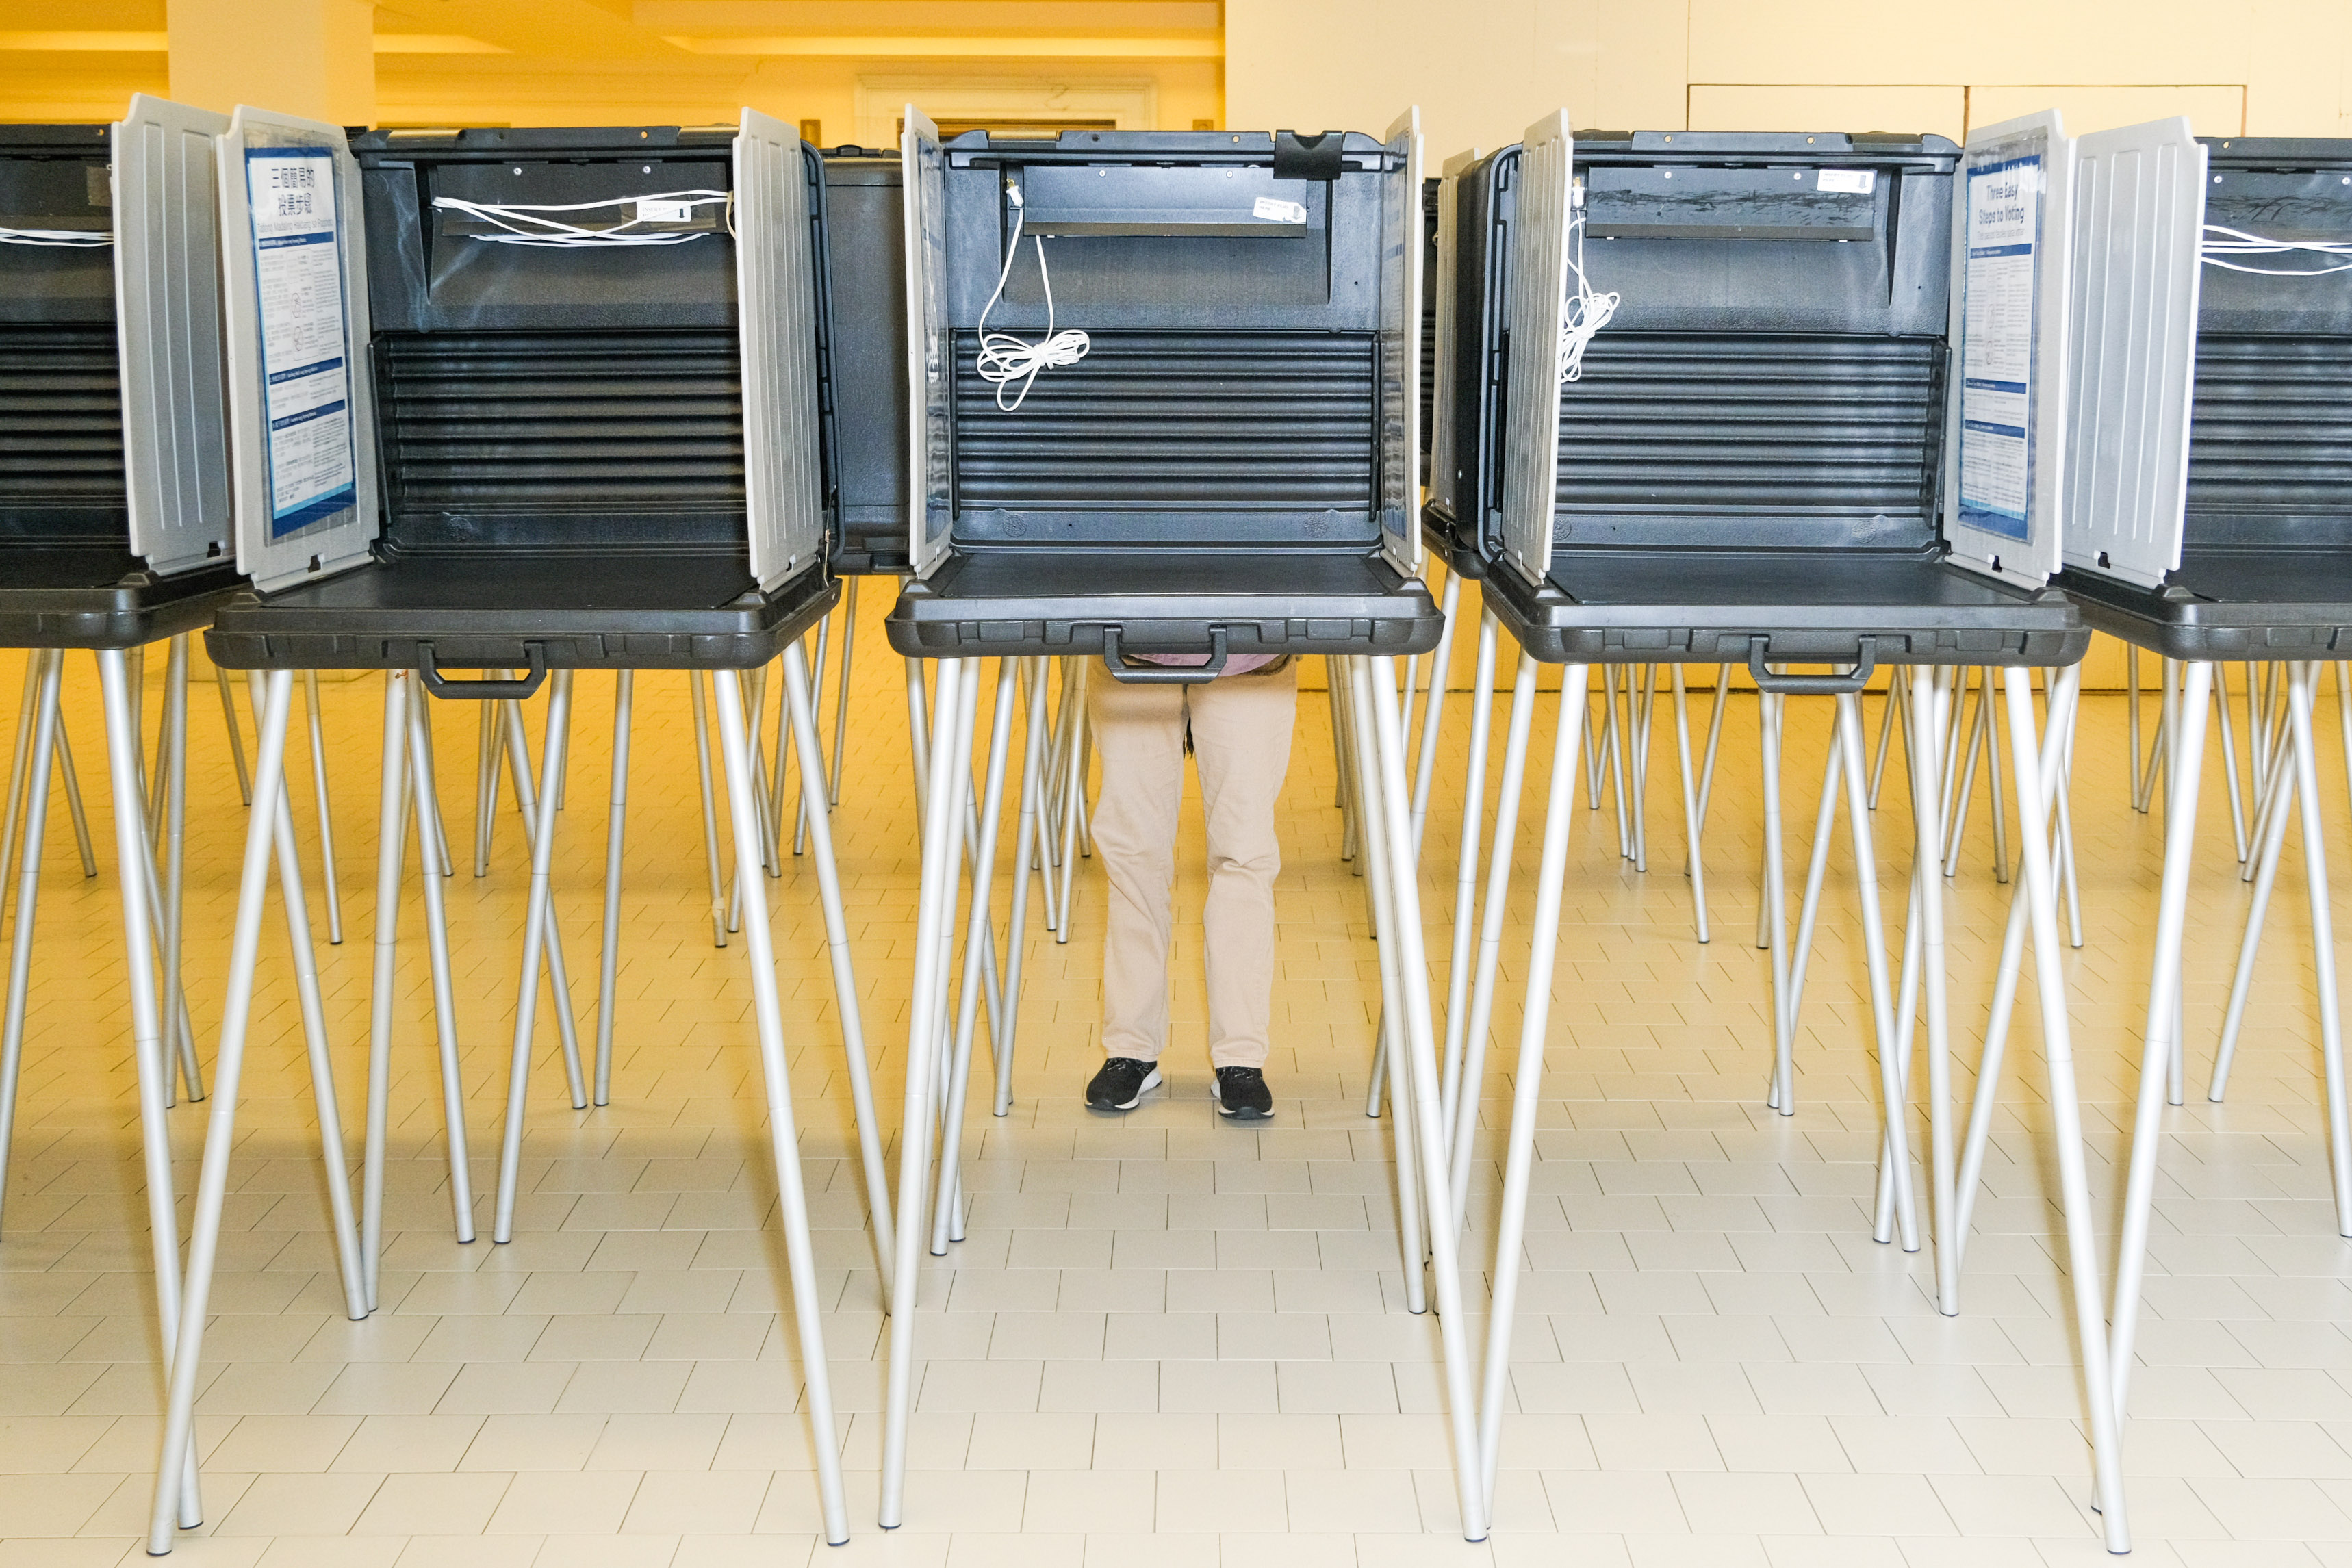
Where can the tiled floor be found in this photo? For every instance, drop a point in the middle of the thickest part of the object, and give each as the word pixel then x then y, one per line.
pixel 1166 1341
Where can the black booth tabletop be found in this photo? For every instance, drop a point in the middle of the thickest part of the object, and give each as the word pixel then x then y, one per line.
pixel 101 596
pixel 2230 602
pixel 645 611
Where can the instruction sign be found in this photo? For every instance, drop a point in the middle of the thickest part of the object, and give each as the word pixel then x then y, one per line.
pixel 1997 356
pixel 305 372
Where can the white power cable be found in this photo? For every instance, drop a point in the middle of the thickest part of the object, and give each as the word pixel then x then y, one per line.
pixel 70 239
pixel 524 225
pixel 1588 309
pixel 2237 242
pixel 1004 359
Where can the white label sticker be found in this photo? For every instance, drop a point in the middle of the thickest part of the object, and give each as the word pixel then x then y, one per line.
pixel 1997 323
pixel 664 212
pixel 1852 181
pixel 306 378
pixel 1277 211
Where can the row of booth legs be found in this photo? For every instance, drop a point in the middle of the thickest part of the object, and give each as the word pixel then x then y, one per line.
pixel 1434 1090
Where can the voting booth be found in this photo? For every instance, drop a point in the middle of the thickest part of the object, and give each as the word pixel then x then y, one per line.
pixel 1228 463
pixel 1778 400
pixel 531 401
pixel 114 535
pixel 1161 411
pixel 2210 522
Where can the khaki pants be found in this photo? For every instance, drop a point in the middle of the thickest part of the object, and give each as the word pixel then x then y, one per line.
pixel 1240 726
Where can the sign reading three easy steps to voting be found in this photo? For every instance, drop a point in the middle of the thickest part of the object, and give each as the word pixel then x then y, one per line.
pixel 305 376
pixel 2004 217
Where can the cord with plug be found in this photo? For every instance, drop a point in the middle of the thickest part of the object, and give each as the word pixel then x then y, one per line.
pixel 2221 241
pixel 523 226
pixel 1004 359
pixel 1588 309
pixel 70 239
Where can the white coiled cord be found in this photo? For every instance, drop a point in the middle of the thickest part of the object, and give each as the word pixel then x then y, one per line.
pixel 70 239
pixel 2221 241
pixel 1004 359
pixel 524 225
pixel 1588 309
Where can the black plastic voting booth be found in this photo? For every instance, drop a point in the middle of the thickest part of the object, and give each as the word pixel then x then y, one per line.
pixel 114 534
pixel 1230 464
pixel 535 400
pixel 1775 400
pixel 2211 522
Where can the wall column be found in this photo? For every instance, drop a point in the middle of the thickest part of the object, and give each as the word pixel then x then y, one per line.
pixel 310 57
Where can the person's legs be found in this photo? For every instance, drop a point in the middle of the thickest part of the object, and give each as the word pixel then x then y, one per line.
pixel 1139 732
pixel 1241 739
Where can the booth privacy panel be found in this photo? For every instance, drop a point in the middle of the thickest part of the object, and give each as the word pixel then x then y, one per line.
pixel 169 327
pixel 2139 207
pixel 1538 304
pixel 2005 417
pixel 778 184
pixel 301 416
pixel 931 368
pixel 1402 214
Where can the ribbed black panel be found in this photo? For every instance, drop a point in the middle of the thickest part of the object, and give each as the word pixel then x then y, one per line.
pixel 1749 425
pixel 60 422
pixel 617 425
pixel 2272 431
pixel 1225 421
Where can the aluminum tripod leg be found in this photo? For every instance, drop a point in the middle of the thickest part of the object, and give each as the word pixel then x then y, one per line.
pixel 436 830
pixel 1693 866
pixel 436 942
pixel 179 1030
pixel 978 921
pixel 1713 741
pixel 18 776
pixel 1379 859
pixel 816 691
pixel 2229 754
pixel 49 675
pixel 616 825
pixel 567 1027
pixel 841 690
pixel 934 937
pixel 2162 1027
pixel 487 751
pixel 1490 923
pixel 2057 740
pixel 1424 771
pixel 1782 1094
pixel 1817 864
pixel 329 891
pixel 1420 1064
pixel 710 810
pixel 2271 838
pixel 235 735
pixel 314 1010
pixel 149 1052
pixel 1465 881
pixel 1527 1083
pixel 72 780
pixel 1032 756
pixel 2065 1107
pixel 212 1184
pixel 800 711
pixel 783 1142
pixel 391 856
pixel 2302 678
pixel 539 915
pixel 2132 717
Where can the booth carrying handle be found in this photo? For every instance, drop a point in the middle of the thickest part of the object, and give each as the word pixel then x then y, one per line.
pixel 1164 674
pixel 1854 680
pixel 440 685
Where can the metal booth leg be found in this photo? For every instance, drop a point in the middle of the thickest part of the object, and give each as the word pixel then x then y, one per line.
pixel 212 1182
pixel 2065 1106
pixel 235 735
pixel 1465 883
pixel 1490 921
pixel 390 857
pixel 616 833
pixel 535 821
pixel 329 891
pixel 538 916
pixel 783 1139
pixel 710 809
pixel 801 709
pixel 1424 769
pixel 1693 865
pixel 1374 683
pixel 942 811
pixel 44 702
pixel 1033 758
pixel 1518 1160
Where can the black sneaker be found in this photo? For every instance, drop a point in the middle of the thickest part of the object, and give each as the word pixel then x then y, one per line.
pixel 1123 1081
pixel 1241 1093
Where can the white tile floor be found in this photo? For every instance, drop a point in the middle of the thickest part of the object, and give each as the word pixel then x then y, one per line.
pixel 1166 1341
